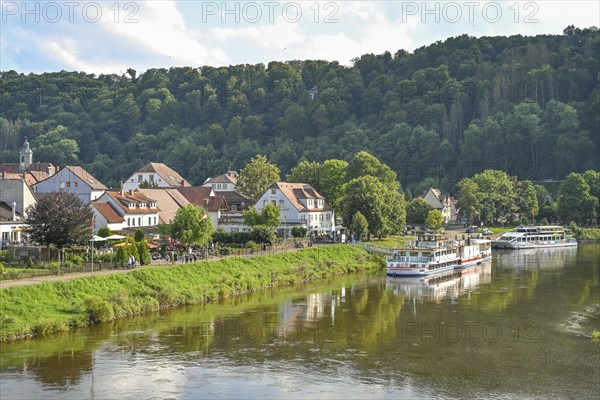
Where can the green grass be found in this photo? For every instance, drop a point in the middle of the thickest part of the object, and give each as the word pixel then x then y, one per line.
pixel 500 230
pixel 9 273
pixel 392 241
pixel 58 306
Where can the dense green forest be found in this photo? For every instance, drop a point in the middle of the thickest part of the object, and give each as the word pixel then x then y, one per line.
pixel 526 105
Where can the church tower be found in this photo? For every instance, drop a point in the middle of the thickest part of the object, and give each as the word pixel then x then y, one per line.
pixel 26 156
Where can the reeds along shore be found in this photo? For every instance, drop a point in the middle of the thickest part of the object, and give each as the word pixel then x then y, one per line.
pixel 50 307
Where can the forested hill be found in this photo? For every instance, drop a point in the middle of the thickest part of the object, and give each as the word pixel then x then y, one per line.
pixel 526 105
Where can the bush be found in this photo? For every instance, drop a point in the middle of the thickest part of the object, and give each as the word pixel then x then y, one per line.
pixel 104 232
pixel 75 259
pixel 125 251
pixel 262 234
pixel 139 235
pixel 5 256
pixel 98 309
pixel 233 237
pixel 54 267
pixel 143 252
pixel 299 231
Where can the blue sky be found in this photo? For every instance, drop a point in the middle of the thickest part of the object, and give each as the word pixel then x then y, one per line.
pixel 111 36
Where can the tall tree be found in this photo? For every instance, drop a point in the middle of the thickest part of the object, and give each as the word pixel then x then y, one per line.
pixel 469 199
pixel 417 210
pixel 257 176
pixel 191 225
pixel 61 219
pixel 575 202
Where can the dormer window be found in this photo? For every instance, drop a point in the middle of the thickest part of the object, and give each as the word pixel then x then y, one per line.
pixel 130 205
pixel 142 205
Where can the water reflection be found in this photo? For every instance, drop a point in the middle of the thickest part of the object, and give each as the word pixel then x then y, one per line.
pixel 449 285
pixel 537 258
pixel 348 335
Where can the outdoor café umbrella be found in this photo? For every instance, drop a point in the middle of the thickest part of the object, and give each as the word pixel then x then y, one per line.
pixel 115 237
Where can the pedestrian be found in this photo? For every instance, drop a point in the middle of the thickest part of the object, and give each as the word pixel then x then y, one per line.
pixel 174 257
pixel 167 258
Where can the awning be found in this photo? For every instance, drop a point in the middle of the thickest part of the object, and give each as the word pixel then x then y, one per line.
pixel 115 237
pixel 151 246
pixel 97 238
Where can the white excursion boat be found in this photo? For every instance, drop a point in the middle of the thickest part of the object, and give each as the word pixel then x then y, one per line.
pixel 531 237
pixel 433 254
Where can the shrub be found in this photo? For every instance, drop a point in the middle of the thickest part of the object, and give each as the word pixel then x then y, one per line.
pixel 125 251
pixel 143 252
pixel 5 255
pixel 54 267
pixel 139 235
pixel 76 259
pixel 98 309
pixel 262 234
pixel 104 232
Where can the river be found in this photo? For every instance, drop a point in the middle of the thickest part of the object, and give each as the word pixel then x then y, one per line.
pixel 517 327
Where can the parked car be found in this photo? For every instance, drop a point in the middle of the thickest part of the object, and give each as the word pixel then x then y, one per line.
pixel 472 229
pixel 486 232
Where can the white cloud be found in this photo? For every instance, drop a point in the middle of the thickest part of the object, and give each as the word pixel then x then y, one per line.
pixel 164 36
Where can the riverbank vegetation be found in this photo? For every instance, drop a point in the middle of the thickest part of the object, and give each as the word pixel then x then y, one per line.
pixel 58 306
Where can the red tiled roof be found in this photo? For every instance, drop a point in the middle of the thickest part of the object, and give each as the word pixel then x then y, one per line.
pixel 108 211
pixel 123 202
pixel 196 194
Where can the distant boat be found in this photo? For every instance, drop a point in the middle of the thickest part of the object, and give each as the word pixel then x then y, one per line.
pixel 433 254
pixel 531 237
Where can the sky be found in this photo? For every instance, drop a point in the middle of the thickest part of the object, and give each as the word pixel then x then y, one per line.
pixel 111 36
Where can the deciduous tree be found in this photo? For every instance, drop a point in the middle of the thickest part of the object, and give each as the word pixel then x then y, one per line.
pixel 60 219
pixel 191 225
pixel 257 176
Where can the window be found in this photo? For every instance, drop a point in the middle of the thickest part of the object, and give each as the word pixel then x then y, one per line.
pixel 273 202
pixel 320 217
pixel 140 221
pixel 233 230
pixel 273 192
pixel 265 202
pixel 76 183
pixel 151 178
pixel 62 185
pixel 68 184
pixel 281 203
pixel 140 178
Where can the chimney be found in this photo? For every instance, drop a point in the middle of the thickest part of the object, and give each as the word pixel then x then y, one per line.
pixel 130 192
pixel 14 211
pixel 121 191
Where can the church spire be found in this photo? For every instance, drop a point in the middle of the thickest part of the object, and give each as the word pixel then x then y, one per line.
pixel 26 156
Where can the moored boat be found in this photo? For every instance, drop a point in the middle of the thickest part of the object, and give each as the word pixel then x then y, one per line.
pixel 531 237
pixel 432 254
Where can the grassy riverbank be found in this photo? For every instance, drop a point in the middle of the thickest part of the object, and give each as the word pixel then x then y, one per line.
pixel 58 306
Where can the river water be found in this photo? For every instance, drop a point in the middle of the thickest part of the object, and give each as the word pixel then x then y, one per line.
pixel 517 327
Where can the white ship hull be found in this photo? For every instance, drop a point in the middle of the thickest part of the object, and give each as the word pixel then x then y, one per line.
pixel 424 270
pixel 499 244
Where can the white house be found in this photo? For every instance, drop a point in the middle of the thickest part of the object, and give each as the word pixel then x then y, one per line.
pixel 136 209
pixel 223 183
pixel 105 214
pixel 74 180
pixel 300 205
pixel 17 192
pixel 154 175
pixel 444 203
